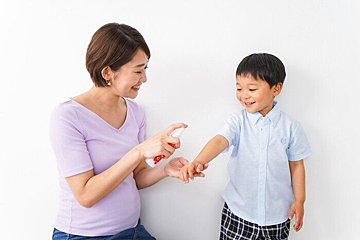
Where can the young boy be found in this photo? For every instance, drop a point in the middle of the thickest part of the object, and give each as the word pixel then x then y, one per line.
pixel 267 174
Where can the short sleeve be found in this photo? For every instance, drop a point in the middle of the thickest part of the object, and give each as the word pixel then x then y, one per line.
pixel 231 131
pixel 299 147
pixel 142 127
pixel 139 117
pixel 68 142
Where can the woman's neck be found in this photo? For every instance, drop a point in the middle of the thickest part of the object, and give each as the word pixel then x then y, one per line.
pixel 101 99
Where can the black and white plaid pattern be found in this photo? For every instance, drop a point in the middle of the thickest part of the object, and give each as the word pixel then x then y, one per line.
pixel 233 227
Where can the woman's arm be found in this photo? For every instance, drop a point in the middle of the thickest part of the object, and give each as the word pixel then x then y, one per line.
pixel 88 188
pixel 145 177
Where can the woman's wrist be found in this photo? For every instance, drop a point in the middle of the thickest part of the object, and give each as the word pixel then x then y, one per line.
pixel 137 154
pixel 164 171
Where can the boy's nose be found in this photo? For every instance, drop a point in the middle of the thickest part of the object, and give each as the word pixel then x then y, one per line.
pixel 245 95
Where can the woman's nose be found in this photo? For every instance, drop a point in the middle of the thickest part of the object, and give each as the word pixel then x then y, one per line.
pixel 143 78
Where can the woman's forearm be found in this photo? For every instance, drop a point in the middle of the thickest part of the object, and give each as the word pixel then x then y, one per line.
pixel 146 177
pixel 90 189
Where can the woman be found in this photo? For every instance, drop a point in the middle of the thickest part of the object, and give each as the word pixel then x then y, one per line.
pixel 98 141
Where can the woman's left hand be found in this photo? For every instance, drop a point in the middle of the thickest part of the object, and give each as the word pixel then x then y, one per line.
pixel 172 168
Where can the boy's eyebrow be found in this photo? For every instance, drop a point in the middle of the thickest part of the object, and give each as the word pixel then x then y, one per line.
pixel 251 84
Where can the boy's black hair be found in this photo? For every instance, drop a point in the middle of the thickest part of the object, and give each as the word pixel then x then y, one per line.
pixel 265 66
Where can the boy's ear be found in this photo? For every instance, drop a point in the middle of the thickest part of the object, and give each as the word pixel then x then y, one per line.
pixel 277 89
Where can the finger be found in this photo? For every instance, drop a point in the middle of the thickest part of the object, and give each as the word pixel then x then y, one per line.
pixel 291 213
pixel 173 141
pixel 181 176
pixel 205 166
pixel 185 175
pixel 168 150
pixel 201 174
pixel 199 167
pixel 182 160
pixel 297 224
pixel 300 226
pixel 191 171
pixel 174 126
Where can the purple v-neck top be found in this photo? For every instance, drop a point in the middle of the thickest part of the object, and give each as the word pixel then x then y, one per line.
pixel 83 141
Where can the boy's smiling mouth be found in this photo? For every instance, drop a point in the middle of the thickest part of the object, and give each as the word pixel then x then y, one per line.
pixel 248 103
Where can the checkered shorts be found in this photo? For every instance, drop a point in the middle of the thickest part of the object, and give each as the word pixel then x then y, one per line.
pixel 233 227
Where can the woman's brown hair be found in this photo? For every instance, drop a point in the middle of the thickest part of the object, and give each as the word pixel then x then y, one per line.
pixel 112 45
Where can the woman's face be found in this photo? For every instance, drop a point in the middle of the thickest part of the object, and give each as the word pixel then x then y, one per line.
pixel 127 80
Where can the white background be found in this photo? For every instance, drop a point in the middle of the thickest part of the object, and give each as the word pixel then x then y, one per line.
pixel 196 47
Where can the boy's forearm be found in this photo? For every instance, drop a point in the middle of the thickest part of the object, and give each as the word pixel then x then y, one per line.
pixel 297 170
pixel 213 148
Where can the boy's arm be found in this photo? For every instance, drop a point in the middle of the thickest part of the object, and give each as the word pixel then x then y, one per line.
pixel 213 148
pixel 297 171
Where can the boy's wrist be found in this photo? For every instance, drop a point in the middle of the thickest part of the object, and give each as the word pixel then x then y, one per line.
pixel 197 162
pixel 301 201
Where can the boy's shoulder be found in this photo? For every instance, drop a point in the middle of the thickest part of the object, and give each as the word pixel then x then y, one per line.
pixel 288 120
pixel 237 115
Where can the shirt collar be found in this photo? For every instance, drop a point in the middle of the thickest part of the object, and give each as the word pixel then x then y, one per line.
pixel 273 115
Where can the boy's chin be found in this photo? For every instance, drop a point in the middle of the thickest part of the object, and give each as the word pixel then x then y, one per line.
pixel 250 110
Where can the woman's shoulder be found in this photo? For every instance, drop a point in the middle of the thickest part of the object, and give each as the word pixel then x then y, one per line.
pixel 66 109
pixel 134 106
pixel 136 111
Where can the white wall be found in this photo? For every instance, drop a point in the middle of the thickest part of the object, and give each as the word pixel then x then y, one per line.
pixel 196 46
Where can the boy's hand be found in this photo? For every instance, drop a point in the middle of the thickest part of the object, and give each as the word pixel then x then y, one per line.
pixel 297 208
pixel 191 170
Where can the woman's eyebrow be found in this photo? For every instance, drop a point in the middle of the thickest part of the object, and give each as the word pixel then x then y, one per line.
pixel 140 65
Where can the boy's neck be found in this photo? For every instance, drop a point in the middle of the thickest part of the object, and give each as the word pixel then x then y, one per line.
pixel 268 109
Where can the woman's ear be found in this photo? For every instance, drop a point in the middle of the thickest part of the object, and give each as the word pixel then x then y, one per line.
pixel 277 89
pixel 107 73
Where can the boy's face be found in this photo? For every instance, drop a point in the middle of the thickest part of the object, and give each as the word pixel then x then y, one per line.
pixel 256 95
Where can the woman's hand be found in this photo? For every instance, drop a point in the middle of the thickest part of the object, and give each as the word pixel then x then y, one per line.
pixel 191 170
pixel 172 168
pixel 159 144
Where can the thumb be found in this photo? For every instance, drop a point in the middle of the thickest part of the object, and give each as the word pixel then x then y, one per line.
pixel 291 213
pixel 183 161
pixel 199 168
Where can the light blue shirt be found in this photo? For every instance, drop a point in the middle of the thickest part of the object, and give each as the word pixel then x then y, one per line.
pixel 260 189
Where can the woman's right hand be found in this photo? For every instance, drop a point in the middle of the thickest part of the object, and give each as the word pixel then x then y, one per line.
pixel 159 144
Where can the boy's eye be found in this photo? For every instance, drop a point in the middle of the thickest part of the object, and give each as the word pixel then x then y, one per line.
pixel 239 89
pixel 252 90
